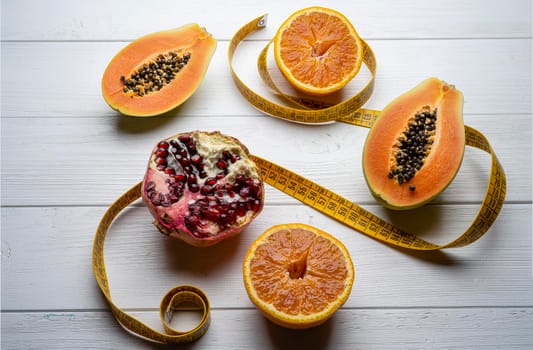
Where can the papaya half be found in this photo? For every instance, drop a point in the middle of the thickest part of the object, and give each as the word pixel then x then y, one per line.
pixel 159 71
pixel 416 146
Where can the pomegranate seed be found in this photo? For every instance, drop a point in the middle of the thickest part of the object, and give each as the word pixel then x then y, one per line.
pixel 150 185
pixel 160 161
pixel 170 171
pixel 212 214
pixel 210 181
pixel 185 138
pixel 194 188
pixel 221 164
pixel 206 189
pixel 185 162
pixel 161 153
pixel 180 177
pixel 241 211
pixel 193 220
pixel 245 192
pixel 163 144
pixel 192 148
pixel 196 159
pixel 223 218
pixel 240 179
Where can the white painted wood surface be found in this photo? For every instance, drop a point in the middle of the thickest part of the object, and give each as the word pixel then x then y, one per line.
pixel 66 156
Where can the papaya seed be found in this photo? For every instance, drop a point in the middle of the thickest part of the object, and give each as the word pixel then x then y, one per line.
pixel 154 75
pixel 412 146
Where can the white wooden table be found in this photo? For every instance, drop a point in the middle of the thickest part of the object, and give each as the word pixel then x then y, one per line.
pixel 66 156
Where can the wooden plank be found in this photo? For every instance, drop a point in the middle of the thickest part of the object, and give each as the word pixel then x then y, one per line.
pixel 104 20
pixel 97 159
pixel 487 71
pixel 46 260
pixel 491 328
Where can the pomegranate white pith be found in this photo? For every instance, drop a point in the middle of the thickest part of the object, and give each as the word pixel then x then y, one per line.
pixel 201 187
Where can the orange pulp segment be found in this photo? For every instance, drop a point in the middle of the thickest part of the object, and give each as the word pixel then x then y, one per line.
pixel 297 275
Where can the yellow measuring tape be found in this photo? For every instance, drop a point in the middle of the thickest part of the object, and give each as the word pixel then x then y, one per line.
pixel 308 111
pixel 350 111
pixel 188 297
pixel 182 298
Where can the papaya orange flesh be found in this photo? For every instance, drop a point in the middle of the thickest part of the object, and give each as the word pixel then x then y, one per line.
pixel 441 149
pixel 190 39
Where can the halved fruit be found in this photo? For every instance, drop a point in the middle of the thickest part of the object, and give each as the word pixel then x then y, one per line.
pixel 202 187
pixel 318 50
pixel 298 275
pixel 157 72
pixel 416 147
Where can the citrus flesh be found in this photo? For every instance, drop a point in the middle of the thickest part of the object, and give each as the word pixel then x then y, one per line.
pixel 297 275
pixel 318 50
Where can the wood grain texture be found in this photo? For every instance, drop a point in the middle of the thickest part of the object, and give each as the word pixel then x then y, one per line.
pixel 65 156
pixel 83 163
pixel 102 20
pixel 488 328
pixel 495 271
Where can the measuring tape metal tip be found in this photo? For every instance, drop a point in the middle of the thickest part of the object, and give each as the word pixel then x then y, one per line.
pixel 262 22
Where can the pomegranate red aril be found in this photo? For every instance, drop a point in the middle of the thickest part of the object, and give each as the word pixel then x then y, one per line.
pixel 185 162
pixel 211 181
pixel 245 192
pixel 221 164
pixel 185 138
pixel 196 159
pixel 180 177
pixel 162 153
pixel 202 187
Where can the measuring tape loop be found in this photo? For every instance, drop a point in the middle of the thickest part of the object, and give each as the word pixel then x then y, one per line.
pixel 308 111
pixel 180 298
pixel 350 111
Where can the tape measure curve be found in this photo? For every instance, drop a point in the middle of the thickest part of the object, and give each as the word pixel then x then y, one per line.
pixel 174 300
pixel 310 111
pixel 328 202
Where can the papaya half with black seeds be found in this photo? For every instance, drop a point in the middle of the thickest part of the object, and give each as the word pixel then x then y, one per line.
pixel 159 71
pixel 416 146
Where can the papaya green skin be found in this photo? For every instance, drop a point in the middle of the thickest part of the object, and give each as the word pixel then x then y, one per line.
pixel 440 166
pixel 189 38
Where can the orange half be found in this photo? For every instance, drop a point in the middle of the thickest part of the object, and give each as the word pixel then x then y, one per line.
pixel 297 275
pixel 318 50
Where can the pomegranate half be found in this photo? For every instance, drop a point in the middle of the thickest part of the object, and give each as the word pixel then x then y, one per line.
pixel 201 187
